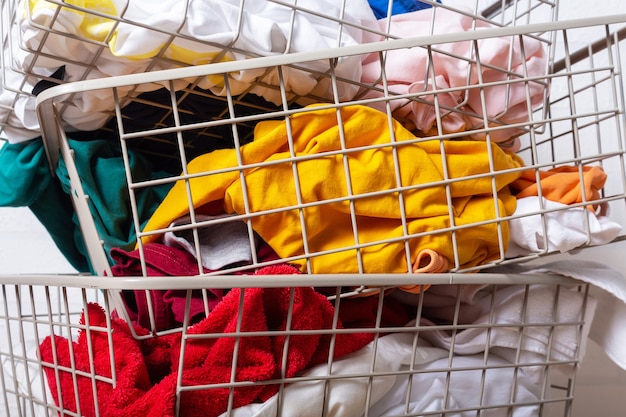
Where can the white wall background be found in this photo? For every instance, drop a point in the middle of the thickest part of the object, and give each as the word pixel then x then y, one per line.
pixel 600 384
pixel 25 247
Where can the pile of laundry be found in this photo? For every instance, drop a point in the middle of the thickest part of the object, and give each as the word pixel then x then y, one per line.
pixel 79 45
pixel 323 241
pixel 229 363
pixel 361 187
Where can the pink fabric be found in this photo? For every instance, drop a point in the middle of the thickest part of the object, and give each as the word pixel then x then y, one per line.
pixel 407 71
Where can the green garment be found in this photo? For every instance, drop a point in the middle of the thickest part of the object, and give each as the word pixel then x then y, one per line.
pixel 26 181
pixel 101 168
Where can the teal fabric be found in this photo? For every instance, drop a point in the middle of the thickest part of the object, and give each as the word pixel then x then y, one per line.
pixel 26 181
pixel 101 168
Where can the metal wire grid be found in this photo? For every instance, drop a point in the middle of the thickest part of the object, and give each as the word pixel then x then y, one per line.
pixel 32 64
pixel 500 386
pixel 584 115
pixel 574 123
pixel 25 311
pixel 563 131
pixel 545 125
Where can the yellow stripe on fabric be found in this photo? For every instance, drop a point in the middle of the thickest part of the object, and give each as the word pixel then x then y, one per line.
pixel 100 29
pixel 92 27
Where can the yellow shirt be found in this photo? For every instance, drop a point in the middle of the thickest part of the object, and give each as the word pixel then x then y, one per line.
pixel 334 221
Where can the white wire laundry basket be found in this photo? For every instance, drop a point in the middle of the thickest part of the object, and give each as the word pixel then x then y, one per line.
pixel 313 231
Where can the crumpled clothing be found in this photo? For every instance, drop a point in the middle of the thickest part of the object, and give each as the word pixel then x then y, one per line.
pixel 544 226
pixel 451 79
pixel 93 46
pixel 147 369
pixel 220 244
pixel 18 119
pixel 548 223
pixel 26 181
pixel 167 306
pixel 428 262
pixel 565 184
pixel 323 187
pixel 100 165
pixel 408 373
pixel 529 310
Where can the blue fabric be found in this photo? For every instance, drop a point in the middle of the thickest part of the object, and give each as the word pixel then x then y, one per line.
pixel 380 7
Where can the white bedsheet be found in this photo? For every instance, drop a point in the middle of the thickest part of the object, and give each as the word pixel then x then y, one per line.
pixel 388 393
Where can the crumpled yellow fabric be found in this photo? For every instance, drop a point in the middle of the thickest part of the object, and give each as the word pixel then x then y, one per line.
pixel 326 212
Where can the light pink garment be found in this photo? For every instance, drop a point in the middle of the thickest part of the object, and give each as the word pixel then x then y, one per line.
pixel 456 66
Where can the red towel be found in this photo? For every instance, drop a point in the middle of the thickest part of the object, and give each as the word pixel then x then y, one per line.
pixel 147 370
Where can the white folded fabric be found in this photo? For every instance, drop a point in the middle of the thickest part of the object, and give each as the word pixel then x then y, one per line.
pixel 388 393
pixel 608 328
pixel 220 244
pixel 18 120
pixel 534 309
pixel 172 33
pixel 16 116
pixel 566 228
pixel 469 389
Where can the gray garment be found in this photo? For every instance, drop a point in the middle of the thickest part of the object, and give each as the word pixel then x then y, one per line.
pixel 221 243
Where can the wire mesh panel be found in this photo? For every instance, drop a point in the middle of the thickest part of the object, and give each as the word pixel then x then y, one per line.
pixel 46 43
pixel 479 153
pixel 462 349
pixel 302 215
pixel 29 314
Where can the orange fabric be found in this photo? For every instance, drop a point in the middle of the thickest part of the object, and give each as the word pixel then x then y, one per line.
pixel 564 184
pixel 428 261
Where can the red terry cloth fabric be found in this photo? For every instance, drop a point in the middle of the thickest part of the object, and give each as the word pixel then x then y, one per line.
pixel 147 369
pixel 168 306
